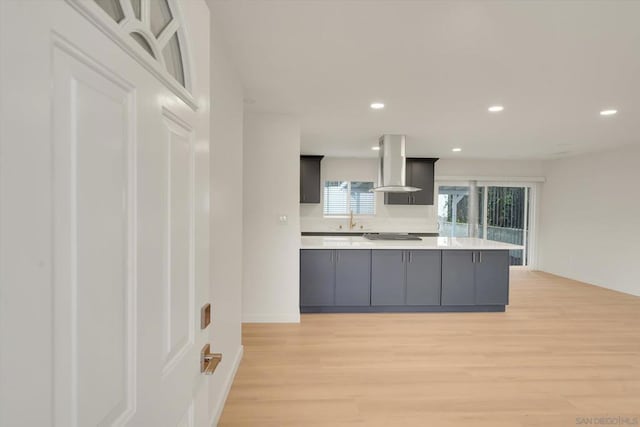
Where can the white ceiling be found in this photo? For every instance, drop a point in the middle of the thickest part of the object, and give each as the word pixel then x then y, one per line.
pixel 437 66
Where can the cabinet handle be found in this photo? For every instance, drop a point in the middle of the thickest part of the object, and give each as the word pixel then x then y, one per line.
pixel 473 257
pixel 410 257
pixel 402 256
pixel 480 257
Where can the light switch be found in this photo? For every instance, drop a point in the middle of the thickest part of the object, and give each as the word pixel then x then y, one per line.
pixel 283 219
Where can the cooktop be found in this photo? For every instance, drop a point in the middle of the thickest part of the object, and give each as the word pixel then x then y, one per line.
pixel 390 236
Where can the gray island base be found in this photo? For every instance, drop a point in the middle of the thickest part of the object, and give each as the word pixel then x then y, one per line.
pixel 400 280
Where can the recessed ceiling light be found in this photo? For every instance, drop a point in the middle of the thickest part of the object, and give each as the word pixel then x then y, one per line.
pixel 456 150
pixel 377 105
pixel 376 148
pixel 496 108
pixel 608 112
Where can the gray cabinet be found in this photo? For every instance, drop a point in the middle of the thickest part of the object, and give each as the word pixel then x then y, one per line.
pixel 398 198
pixel 458 277
pixel 419 172
pixel 405 277
pixel 335 277
pixel 353 277
pixel 363 280
pixel 475 277
pixel 317 277
pixel 492 278
pixel 387 277
pixel 424 277
pixel 310 185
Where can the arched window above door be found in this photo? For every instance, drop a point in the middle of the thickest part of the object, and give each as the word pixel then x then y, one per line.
pixel 155 27
pixel 152 32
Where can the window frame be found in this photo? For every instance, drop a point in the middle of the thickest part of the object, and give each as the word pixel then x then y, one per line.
pixel 348 204
pixel 119 33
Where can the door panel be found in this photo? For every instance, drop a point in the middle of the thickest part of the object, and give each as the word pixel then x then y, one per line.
pixel 310 179
pixel 353 277
pixel 84 218
pixel 422 177
pixel 424 277
pixel 178 324
pixel 492 278
pixel 317 277
pixel 458 278
pixel 94 255
pixel 387 277
pixel 100 249
pixel 397 198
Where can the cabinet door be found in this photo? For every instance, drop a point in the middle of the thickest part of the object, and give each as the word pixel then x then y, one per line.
pixel 397 198
pixel 458 278
pixel 387 277
pixel 492 278
pixel 400 198
pixel 353 277
pixel 310 179
pixel 421 176
pixel 423 277
pixel 317 277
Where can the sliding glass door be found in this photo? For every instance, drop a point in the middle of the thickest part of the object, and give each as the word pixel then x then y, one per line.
pixel 456 216
pixel 487 210
pixel 507 218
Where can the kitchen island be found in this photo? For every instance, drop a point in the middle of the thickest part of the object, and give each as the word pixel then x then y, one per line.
pixel 342 274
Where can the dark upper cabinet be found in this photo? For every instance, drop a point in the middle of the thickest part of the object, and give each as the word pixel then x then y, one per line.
pixel 419 172
pixel 310 179
pixel 397 198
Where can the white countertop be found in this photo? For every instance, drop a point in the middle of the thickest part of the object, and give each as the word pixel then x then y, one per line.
pixel 439 243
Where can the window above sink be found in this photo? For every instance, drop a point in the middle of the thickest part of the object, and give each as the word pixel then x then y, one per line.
pixel 343 197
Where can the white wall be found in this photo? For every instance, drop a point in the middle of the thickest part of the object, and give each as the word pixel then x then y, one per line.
pixel 404 218
pixel 488 168
pixel 225 219
pixel 590 219
pixel 270 291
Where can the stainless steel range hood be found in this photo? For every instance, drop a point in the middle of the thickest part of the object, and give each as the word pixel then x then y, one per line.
pixel 392 169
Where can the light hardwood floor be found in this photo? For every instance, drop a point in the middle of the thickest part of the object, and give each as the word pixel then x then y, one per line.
pixel 562 353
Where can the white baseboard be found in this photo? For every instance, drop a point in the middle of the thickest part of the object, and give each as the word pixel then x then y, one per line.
pixel 271 318
pixel 219 406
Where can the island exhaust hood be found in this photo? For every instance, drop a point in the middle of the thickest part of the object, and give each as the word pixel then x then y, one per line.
pixel 392 168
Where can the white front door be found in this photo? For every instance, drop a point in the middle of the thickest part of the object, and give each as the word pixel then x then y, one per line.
pixel 103 213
